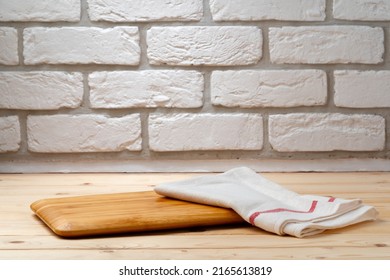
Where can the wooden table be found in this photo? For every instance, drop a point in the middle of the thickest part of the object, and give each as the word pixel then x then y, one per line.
pixel 24 236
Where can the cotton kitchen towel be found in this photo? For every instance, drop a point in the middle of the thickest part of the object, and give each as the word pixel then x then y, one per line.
pixel 268 205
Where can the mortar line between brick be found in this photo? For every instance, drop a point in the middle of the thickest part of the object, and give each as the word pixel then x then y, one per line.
pixel 207 17
pixel 329 10
pixel 386 54
pixel 84 17
pixel 20 46
pixel 23 150
pixel 85 103
pixel 331 89
pixel 207 103
pixel 144 62
pixel 267 148
pixel 266 56
pixel 145 152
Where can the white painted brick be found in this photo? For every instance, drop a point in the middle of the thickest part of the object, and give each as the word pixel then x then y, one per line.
pixel 326 44
pixel 200 45
pixel 83 133
pixel 38 90
pixel 42 10
pixel 188 132
pixel 273 88
pixel 361 9
pixel 140 10
pixel 84 45
pixel 247 10
pixel 148 89
pixel 316 132
pixel 362 89
pixel 8 46
pixel 9 134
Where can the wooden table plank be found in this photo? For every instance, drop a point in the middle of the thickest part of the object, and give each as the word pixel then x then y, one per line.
pixel 168 241
pixel 23 236
pixel 319 253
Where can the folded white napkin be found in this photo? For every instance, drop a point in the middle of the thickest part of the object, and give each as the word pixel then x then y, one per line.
pixel 267 205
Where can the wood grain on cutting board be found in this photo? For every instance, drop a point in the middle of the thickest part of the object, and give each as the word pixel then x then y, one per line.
pixel 126 212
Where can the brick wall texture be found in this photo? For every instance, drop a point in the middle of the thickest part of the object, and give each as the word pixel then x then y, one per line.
pixel 194 79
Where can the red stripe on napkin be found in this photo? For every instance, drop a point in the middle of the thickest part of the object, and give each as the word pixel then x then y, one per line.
pixel 277 210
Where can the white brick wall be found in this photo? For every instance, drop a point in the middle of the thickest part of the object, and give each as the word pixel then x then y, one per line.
pixel 40 90
pixel 42 10
pixel 188 132
pixel 277 88
pixel 247 10
pixel 146 89
pixel 227 45
pixel 362 89
pixel 361 9
pixel 9 134
pixel 326 132
pixel 140 10
pixel 84 45
pixel 326 44
pixel 83 133
pixel 8 46
pixel 194 79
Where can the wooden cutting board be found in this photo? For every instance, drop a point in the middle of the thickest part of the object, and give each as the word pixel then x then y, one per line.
pixel 126 212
